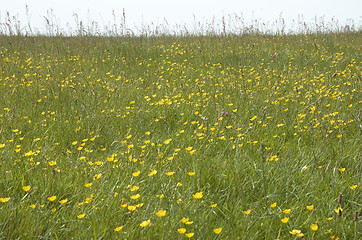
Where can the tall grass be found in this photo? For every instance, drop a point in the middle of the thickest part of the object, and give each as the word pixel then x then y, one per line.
pixel 250 136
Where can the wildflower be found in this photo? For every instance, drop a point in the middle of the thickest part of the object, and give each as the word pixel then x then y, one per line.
pixel 284 220
pixel 2 145
pixel 26 188
pixel 273 205
pixel 310 207
pixel 64 201
pixel 287 211
pixel 118 229
pixel 161 213
pixel 4 200
pixel 181 230
pixel 81 216
pixel 136 174
pixel 145 223
pixel 338 210
pixel 134 188
pixel 217 230
pixel 213 205
pixel 134 197
pixel 341 169
pixel 189 235
pixel 131 208
pixel 52 163
pixel 153 172
pixel 296 232
pixel 353 187
pixel 32 206
pixel 247 212
pixel 197 195
pixel 169 173
pixel 167 141
pixel 52 198
pixel 314 227
pixel 88 185
pixel 191 173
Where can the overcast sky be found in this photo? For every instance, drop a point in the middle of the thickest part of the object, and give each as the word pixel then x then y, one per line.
pixel 180 12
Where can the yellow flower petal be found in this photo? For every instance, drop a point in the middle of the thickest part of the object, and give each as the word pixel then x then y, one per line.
pixel 161 213
pixel 310 207
pixel 197 195
pixel 189 235
pixel 26 188
pixel 314 227
pixel 52 198
pixel 81 216
pixel 181 230
pixel 217 230
pixel 118 229
pixel 145 223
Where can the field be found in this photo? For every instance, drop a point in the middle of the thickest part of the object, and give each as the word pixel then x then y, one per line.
pixel 201 137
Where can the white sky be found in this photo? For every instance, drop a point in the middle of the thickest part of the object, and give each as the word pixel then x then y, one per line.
pixel 179 12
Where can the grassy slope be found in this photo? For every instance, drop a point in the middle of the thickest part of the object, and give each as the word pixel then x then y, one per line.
pixel 269 119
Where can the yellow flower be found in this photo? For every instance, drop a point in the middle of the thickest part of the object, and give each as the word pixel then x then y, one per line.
pixel 161 213
pixel 287 211
pixel 88 184
pixel 169 173
pixel 189 235
pixel 167 141
pixel 153 172
pixel 134 197
pixel 52 198
pixel 145 223
pixel 74 143
pixel 284 220
pixel 118 229
pixel 310 207
pixel 181 230
pixel 52 163
pixel 217 230
pixel 338 209
pixel 314 227
pixel 296 232
pixel 134 188
pixel 81 216
pixel 353 187
pixel 26 188
pixel 136 174
pixel 4 200
pixel 33 206
pixel 247 212
pixel 213 205
pixel 64 201
pixel 131 208
pixel 273 205
pixel 191 173
pixel 197 195
pixel 2 145
pixel 188 148
pixel 341 169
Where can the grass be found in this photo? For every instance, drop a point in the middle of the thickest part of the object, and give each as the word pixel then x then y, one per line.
pixel 230 134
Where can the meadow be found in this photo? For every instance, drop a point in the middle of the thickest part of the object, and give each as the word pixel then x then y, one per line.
pixel 254 136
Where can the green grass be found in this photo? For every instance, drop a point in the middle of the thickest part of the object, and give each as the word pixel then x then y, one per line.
pixel 270 119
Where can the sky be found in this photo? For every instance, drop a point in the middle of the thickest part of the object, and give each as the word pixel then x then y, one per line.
pixel 146 12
